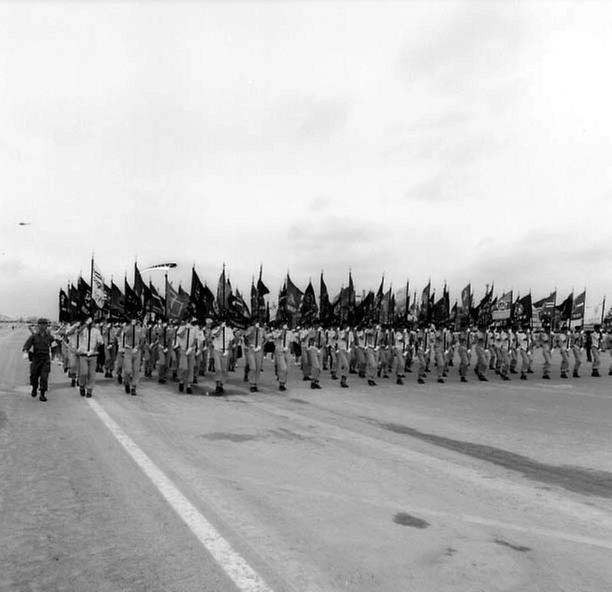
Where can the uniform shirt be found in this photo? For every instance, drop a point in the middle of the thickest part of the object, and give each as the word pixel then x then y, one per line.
pixel 283 339
pixel 40 344
pixel 221 338
pixel 595 339
pixel 255 337
pixel 89 338
pixel 132 336
pixel 522 340
pixel 186 338
pixel 346 339
pixel 575 340
pixel 163 336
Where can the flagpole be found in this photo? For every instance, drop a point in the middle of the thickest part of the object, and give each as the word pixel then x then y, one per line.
pixel 603 308
pixel 91 284
pixel 584 308
pixel 166 295
pixel 554 310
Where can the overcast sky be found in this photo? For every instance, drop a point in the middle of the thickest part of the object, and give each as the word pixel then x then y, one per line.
pixel 466 141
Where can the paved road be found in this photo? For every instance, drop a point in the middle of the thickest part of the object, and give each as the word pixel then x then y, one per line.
pixel 455 487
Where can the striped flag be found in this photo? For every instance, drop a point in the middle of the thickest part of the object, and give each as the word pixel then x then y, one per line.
pixel 98 292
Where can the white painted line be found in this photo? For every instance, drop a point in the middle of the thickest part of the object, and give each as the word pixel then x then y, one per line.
pixel 241 573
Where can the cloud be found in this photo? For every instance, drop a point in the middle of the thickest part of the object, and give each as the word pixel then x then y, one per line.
pixel 309 119
pixel 479 39
pixel 430 190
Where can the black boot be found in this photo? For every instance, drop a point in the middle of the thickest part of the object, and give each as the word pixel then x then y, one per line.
pixel 82 391
pixel 343 382
pixel 464 379
pixel 42 396
pixel 34 391
pixel 181 387
pixel 126 387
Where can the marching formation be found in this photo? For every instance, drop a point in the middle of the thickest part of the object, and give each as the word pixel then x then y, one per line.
pixel 186 350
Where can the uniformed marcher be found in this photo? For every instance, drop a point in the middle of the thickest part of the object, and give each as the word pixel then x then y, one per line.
pixel 221 340
pixel 595 351
pixel 133 339
pixel 561 341
pixel 576 341
pixel 38 345
pixel 282 340
pixel 90 339
pixel 254 338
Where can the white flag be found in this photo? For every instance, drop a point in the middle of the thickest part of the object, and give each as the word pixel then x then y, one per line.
pixel 97 288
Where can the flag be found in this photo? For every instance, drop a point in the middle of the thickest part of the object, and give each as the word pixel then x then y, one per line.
pixel 565 308
pixel 139 285
pixel 466 299
pixel 294 298
pixel 84 299
pixel 98 293
pixel 281 309
pixel 253 297
pixel 238 311
pixel 364 311
pixel 347 302
pixel 64 308
pixel 117 302
pixel 325 311
pixel 482 312
pixel 503 307
pixel 402 302
pixel 177 303
pixel 336 308
pixel 262 290
pixel 73 303
pixel 385 311
pixel 425 312
pixel 543 308
pixel 578 307
pixel 224 291
pixel 308 309
pixel 156 302
pixel 522 310
pixel 440 310
pixel 379 299
pixel 133 308
pixel 200 298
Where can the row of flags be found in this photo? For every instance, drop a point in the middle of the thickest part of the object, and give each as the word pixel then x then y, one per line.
pixel 294 306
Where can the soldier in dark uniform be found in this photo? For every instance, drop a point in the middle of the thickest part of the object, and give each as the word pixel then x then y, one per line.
pixel 39 345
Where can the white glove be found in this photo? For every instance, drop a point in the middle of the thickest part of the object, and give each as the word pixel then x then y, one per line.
pixel 25 355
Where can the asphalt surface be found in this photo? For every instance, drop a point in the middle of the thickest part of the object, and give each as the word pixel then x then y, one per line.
pixel 456 487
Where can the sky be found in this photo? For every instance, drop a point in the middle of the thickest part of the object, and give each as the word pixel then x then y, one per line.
pixel 457 141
